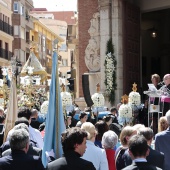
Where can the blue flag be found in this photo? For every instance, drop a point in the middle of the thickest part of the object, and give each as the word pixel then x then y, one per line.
pixel 54 119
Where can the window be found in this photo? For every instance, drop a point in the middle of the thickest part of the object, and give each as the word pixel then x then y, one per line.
pixel 43 41
pixel 22 10
pixel 72 55
pixel 22 33
pixel 64 62
pixel 15 7
pixel 63 47
pixel 22 56
pixel 43 49
pixel 16 30
pixel 16 53
pixel 0 43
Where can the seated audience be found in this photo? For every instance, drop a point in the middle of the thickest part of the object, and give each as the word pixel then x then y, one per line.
pixel 94 154
pixel 74 145
pixel 109 141
pixel 138 151
pixel 19 159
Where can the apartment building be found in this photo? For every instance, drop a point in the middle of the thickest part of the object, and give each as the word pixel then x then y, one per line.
pixel 6 32
pixel 65 24
pixel 22 23
pixel 43 37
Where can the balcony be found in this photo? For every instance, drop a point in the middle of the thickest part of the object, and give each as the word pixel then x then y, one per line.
pixel 6 28
pixel 5 54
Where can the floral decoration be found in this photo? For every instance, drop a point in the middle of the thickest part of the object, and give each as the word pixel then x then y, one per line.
pixel 31 97
pixel 66 98
pixel 98 99
pixel 125 114
pixel 134 98
pixel 110 72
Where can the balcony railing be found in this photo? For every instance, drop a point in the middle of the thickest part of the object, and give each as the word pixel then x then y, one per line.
pixel 6 27
pixel 5 54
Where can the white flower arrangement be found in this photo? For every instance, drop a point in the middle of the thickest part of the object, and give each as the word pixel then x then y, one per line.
pixel 125 111
pixel 44 107
pixel 134 98
pixel 110 72
pixel 98 99
pixel 66 99
pixel 125 114
pixel 109 68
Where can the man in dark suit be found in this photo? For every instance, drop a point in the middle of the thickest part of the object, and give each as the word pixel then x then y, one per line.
pixel 138 150
pixel 162 143
pixel 19 159
pixel 74 145
pixel 155 158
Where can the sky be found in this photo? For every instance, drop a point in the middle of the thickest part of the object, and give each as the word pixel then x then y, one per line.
pixel 56 5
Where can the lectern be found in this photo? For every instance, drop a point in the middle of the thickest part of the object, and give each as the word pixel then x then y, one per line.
pixel 153 108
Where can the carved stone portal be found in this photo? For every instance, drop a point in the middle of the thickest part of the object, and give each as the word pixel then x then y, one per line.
pixel 92 52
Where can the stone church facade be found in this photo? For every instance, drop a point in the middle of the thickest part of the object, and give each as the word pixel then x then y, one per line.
pixel 100 20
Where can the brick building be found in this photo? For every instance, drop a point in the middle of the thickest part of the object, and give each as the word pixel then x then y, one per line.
pixel 129 24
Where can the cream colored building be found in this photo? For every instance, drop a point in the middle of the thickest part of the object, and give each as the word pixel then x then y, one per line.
pixel 6 32
pixel 60 28
pixel 64 24
pixel 43 38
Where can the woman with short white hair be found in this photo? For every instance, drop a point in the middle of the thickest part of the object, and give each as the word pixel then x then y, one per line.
pixel 109 141
pixel 94 154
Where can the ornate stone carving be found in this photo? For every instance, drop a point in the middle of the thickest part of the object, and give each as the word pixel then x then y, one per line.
pixel 92 52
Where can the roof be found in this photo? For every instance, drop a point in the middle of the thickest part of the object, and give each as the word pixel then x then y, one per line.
pixel 67 16
pixel 39 9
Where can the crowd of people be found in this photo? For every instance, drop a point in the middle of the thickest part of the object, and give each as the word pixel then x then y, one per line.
pixel 103 145
pixel 90 143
